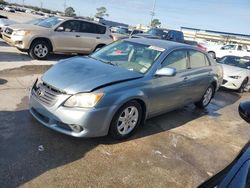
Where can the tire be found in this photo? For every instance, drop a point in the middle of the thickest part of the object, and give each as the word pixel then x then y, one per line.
pixel 122 127
pixel 243 85
pixel 212 54
pixel 206 98
pixel 40 49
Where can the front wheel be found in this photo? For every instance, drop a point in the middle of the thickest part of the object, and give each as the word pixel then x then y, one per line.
pixel 243 85
pixel 206 98
pixel 40 50
pixel 126 120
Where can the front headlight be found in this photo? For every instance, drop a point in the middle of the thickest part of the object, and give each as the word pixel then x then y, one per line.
pixel 84 100
pixel 235 77
pixel 20 33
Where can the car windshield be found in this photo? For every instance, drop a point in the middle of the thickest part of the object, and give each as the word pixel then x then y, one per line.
pixel 129 55
pixel 50 22
pixel 157 32
pixel 235 61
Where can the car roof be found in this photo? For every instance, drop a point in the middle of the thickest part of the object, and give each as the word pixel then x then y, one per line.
pixel 160 43
pixel 81 19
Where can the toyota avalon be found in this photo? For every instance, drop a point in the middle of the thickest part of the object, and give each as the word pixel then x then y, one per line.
pixel 119 87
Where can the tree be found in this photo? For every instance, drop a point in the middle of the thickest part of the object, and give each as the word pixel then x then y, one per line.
pixel 69 12
pixel 155 23
pixel 101 12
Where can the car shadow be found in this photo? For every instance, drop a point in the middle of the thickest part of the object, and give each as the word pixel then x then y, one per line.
pixel 29 149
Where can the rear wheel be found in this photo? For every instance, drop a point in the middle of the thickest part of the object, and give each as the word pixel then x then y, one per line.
pixel 126 120
pixel 40 50
pixel 243 85
pixel 206 98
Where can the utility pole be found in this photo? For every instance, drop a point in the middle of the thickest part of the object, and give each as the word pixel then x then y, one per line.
pixel 23 3
pixel 41 4
pixel 65 5
pixel 152 13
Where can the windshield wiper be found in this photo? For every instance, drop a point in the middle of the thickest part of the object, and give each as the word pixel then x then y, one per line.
pixel 107 62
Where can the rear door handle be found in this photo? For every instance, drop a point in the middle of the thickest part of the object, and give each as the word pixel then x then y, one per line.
pixel 185 78
pixel 77 36
pixel 97 37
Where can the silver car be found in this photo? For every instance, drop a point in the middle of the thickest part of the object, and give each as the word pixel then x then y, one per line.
pixel 117 88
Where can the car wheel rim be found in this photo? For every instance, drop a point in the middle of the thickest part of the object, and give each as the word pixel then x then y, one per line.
pixel 127 120
pixel 207 96
pixel 41 50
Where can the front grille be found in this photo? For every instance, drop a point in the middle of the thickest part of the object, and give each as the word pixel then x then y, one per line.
pixel 8 31
pixel 46 94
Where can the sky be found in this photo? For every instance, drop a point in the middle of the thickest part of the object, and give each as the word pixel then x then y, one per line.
pixel 221 15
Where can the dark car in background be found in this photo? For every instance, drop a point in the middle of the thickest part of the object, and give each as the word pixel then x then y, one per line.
pixel 161 33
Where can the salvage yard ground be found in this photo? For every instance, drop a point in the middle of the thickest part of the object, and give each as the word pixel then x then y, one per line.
pixel 182 148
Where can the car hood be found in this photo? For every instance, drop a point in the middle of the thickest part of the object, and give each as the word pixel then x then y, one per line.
pixel 145 35
pixel 232 70
pixel 27 27
pixel 84 74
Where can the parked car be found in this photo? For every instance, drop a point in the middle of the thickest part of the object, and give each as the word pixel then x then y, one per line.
pixel 136 31
pixel 120 33
pixel 236 72
pixel 9 9
pixel 58 35
pixel 3 23
pixel 217 51
pixel 237 173
pixel 117 88
pixel 161 33
pixel 195 43
pixel 3 17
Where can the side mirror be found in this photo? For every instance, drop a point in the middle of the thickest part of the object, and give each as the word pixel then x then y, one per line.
pixel 222 48
pixel 244 111
pixel 248 67
pixel 60 29
pixel 166 72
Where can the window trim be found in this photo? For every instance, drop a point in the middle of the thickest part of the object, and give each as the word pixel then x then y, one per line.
pixel 187 59
pixel 205 59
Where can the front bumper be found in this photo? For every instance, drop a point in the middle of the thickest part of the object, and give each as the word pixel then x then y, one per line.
pixel 231 83
pixel 93 122
pixel 20 42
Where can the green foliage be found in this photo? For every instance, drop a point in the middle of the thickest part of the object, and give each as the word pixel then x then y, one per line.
pixel 155 23
pixel 70 12
pixel 101 12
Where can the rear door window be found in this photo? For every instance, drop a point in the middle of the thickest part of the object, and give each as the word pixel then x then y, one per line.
pixel 177 59
pixel 71 26
pixel 197 59
pixel 87 27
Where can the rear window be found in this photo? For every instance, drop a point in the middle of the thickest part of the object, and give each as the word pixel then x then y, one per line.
pixel 87 27
pixel 197 59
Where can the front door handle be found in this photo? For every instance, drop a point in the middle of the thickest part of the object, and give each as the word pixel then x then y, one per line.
pixel 185 78
pixel 97 37
pixel 77 36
